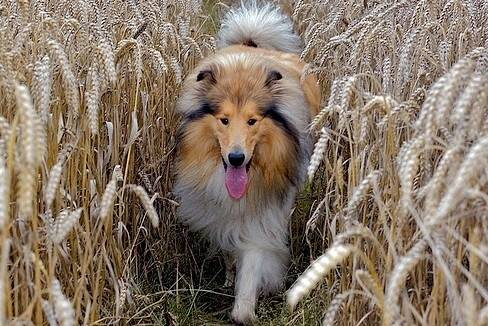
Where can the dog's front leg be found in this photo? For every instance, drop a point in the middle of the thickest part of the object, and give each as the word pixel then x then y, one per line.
pixel 257 270
pixel 247 283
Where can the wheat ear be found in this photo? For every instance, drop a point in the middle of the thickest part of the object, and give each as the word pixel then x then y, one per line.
pixel 146 202
pixel 317 270
pixel 65 221
pixel 63 309
pixel 109 193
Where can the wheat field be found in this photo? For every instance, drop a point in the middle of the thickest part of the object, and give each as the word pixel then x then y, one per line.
pixel 391 229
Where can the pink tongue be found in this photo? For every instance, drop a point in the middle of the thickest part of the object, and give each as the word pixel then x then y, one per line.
pixel 236 181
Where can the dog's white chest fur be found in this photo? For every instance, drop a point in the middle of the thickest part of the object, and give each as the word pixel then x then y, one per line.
pixel 234 224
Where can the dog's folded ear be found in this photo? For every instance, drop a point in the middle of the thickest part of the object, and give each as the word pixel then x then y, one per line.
pixel 206 74
pixel 273 77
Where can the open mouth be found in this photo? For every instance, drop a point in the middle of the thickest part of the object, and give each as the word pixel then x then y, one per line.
pixel 236 179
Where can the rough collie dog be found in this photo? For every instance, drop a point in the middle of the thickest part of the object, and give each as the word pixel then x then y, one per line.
pixel 244 147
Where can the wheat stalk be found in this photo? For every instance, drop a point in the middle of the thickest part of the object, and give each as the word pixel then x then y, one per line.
pixel 41 87
pixel 4 192
pixel 334 306
pixel 4 258
pixel 63 309
pixel 110 192
pixel 397 280
pixel 317 270
pixel 63 224
pixel 93 99
pixel 32 150
pixel 468 172
pixel 49 313
pixel 318 153
pixel 55 176
pixel 69 81
pixel 147 203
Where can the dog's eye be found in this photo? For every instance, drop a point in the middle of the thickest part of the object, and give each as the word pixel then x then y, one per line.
pixel 224 121
pixel 251 122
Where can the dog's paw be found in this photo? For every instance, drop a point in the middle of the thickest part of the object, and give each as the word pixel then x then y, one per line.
pixel 243 313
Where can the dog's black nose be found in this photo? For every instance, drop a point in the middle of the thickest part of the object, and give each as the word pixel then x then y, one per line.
pixel 236 159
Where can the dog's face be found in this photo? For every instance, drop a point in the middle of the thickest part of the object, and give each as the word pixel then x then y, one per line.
pixel 238 124
pixel 237 130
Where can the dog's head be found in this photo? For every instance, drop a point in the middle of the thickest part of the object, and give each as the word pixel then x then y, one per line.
pixel 237 115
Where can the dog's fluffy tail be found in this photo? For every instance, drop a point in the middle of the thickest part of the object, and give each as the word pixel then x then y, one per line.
pixel 262 26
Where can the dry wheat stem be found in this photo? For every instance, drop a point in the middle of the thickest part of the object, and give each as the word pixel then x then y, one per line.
pixel 4 258
pixel 4 193
pixel 335 306
pixel 397 279
pixel 370 285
